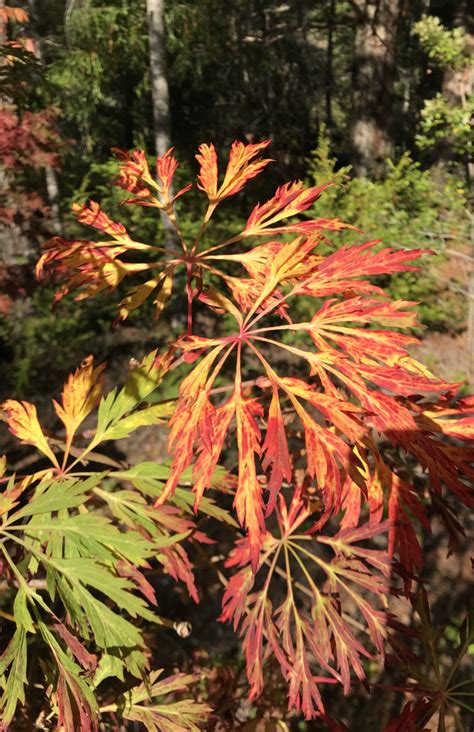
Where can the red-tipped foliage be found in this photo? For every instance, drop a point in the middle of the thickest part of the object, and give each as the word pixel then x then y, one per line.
pixel 337 432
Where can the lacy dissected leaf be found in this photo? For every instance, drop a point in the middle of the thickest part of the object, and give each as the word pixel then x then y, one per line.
pixel 77 582
pixel 333 434
pixel 156 414
pixel 312 634
pixel 81 395
pixel 164 528
pixel 347 360
pixel 135 176
pixel 248 497
pixel 94 267
pixel 242 166
pixel 388 494
pixel 11 492
pixel 453 420
pixel 336 273
pixel 289 200
pixel 56 495
pixel 13 667
pixel 138 705
pixel 77 707
pixel 22 420
pixel 114 408
pixel 79 550
pixel 92 561
pixel 134 172
pixel 441 680
pixel 276 450
pixel 119 414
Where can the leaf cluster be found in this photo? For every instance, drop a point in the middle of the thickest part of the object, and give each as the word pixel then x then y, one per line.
pixel 76 546
pixel 331 522
pixel 446 48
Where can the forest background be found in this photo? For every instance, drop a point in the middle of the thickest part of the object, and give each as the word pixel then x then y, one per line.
pixel 376 96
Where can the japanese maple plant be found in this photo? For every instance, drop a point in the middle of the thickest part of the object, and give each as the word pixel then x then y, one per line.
pixel 304 470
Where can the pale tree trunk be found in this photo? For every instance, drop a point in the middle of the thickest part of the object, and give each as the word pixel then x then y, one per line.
pixel 155 10
pixel 329 81
pixel 374 67
pixel 50 174
pixel 14 245
pixel 159 82
pixel 52 189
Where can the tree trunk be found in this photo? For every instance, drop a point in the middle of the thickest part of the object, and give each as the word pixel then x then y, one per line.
pixel 14 245
pixel 329 81
pixel 159 81
pixel 373 76
pixel 159 91
pixel 50 174
pixel 52 189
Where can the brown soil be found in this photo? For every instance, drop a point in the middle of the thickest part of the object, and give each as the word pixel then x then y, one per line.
pixel 446 355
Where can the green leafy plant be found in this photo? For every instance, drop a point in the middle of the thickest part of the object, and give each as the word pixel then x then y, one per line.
pixel 446 120
pixel 409 207
pixel 80 542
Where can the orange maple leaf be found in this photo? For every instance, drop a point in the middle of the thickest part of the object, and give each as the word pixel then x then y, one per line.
pixel 22 420
pixel 81 395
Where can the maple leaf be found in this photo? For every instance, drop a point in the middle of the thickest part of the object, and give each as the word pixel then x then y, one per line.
pixel 360 378
pixel 412 718
pixel 317 436
pixel 94 267
pixel 22 420
pixel 443 689
pixel 93 215
pixel 452 420
pixel 135 176
pixel 134 173
pixel 302 637
pixel 17 14
pixel 208 174
pixel 342 355
pixel 276 450
pixel 336 273
pixel 81 394
pixel 289 200
pixel 241 168
pixel 248 497
pixel 149 704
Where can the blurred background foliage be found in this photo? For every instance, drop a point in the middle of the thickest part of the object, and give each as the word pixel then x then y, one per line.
pixel 373 95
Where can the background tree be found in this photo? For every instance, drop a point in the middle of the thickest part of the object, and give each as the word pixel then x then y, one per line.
pixel 155 11
pixel 373 82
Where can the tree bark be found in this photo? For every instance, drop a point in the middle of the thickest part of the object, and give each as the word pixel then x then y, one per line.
pixel 52 189
pixel 373 76
pixel 159 81
pixel 155 10
pixel 14 245
pixel 329 81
